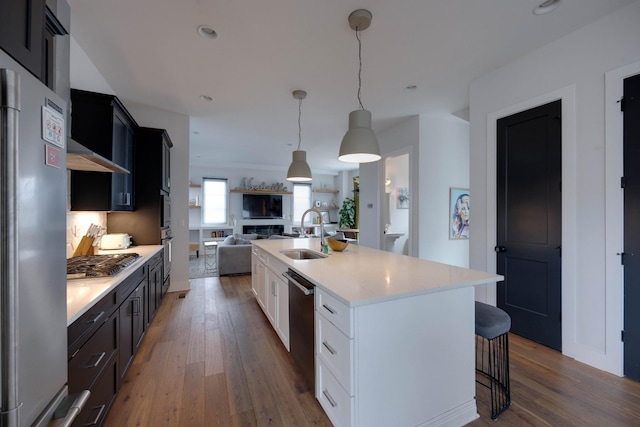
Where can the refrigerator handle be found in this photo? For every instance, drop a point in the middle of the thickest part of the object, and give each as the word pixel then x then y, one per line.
pixel 9 110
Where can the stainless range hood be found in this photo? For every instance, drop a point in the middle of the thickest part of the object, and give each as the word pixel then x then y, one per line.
pixel 80 158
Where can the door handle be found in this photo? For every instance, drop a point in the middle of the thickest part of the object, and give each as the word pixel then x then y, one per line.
pixel 500 249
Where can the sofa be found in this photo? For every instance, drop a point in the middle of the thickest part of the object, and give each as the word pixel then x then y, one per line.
pixel 234 254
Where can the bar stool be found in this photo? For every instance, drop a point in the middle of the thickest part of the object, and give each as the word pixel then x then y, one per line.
pixel 492 355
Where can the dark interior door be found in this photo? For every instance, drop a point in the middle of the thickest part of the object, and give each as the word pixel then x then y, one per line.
pixel 631 146
pixel 529 222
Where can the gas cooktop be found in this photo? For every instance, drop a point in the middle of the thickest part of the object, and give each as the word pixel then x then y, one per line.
pixel 82 267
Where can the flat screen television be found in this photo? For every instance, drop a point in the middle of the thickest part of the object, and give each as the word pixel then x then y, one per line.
pixel 261 206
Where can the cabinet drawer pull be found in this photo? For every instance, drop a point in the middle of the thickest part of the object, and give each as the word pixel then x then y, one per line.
pixel 99 356
pixel 328 396
pixel 329 309
pixel 96 317
pixel 97 418
pixel 331 350
pixel 135 309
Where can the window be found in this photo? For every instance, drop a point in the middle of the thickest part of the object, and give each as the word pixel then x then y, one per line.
pixel 215 203
pixel 301 201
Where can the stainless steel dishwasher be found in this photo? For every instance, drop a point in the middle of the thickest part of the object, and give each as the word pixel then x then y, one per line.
pixel 301 324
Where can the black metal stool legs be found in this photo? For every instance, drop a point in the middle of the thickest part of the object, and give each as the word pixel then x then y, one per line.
pixel 492 365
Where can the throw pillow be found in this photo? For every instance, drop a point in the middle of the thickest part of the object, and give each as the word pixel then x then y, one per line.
pixel 251 236
pixel 229 240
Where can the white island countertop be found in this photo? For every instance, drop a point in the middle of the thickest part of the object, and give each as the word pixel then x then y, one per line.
pixel 360 275
pixel 82 294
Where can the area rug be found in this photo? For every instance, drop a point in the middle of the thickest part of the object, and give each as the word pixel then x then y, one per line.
pixel 197 268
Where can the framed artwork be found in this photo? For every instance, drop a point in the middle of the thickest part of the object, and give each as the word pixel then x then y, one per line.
pixel 403 197
pixel 459 203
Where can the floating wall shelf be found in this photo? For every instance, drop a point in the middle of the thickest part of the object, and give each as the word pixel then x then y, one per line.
pixel 260 192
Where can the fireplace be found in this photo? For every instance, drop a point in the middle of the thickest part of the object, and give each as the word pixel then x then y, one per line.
pixel 263 230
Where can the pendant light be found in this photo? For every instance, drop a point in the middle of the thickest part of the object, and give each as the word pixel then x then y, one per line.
pixel 359 144
pixel 299 170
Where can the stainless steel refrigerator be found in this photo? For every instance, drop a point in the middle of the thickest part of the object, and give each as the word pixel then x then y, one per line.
pixel 33 306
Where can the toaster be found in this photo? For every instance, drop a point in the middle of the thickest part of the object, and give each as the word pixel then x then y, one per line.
pixel 115 241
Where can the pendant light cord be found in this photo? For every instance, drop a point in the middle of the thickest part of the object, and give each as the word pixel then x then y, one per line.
pixel 299 126
pixel 359 67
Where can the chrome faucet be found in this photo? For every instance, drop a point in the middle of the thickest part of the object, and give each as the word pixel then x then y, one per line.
pixel 322 243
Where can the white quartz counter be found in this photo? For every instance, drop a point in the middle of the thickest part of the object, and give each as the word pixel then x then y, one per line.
pixel 359 275
pixel 84 293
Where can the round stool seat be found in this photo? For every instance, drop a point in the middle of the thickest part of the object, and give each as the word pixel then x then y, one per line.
pixel 491 321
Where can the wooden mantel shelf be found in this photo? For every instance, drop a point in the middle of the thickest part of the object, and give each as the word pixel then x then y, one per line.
pixel 266 191
pixel 325 190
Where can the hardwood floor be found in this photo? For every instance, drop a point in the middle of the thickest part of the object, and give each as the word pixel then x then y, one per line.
pixel 212 359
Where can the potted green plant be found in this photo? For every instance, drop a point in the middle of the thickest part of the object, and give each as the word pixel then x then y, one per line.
pixel 348 214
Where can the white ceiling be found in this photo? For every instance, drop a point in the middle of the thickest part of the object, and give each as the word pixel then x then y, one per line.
pixel 150 53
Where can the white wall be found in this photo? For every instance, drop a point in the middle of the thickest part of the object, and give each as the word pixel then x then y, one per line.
pixel 397 172
pixel 444 163
pixel 572 69
pixel 438 148
pixel 402 138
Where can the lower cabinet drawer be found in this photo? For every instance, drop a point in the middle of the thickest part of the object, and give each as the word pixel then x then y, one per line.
pixel 336 402
pixel 335 311
pixel 103 393
pixel 335 350
pixel 90 360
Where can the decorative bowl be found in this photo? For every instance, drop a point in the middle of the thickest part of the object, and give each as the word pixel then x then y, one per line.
pixel 336 244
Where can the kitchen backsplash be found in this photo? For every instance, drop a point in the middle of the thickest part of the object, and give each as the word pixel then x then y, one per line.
pixel 77 225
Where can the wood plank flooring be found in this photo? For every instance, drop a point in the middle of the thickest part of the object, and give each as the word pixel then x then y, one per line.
pixel 212 359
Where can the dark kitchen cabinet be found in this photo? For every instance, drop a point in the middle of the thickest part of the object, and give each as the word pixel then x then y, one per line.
pixel 22 32
pixel 94 367
pixel 103 393
pixel 27 31
pixel 155 276
pixel 104 341
pixel 132 326
pixel 101 123
pixel 152 184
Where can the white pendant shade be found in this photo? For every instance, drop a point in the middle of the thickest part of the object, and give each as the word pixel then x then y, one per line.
pixel 299 171
pixel 359 144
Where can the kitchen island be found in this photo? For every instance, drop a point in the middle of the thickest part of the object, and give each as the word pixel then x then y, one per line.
pixel 394 335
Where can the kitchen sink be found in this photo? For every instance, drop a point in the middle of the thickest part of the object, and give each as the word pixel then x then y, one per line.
pixel 303 254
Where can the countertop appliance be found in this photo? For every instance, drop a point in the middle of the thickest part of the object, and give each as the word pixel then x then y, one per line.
pixel 33 306
pixel 301 324
pixel 82 267
pixel 115 241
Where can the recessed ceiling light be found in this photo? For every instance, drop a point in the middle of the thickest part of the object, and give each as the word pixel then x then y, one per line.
pixel 207 32
pixel 546 7
pixel 206 98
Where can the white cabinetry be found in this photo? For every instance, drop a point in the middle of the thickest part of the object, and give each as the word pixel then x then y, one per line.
pixel 271 291
pixel 376 364
pixel 258 279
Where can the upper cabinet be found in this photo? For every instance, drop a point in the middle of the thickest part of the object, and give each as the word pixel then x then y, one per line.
pixel 101 123
pixel 153 160
pixel 22 32
pixel 27 31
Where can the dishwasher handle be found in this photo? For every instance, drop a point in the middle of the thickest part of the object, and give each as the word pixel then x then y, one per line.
pixel 304 289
